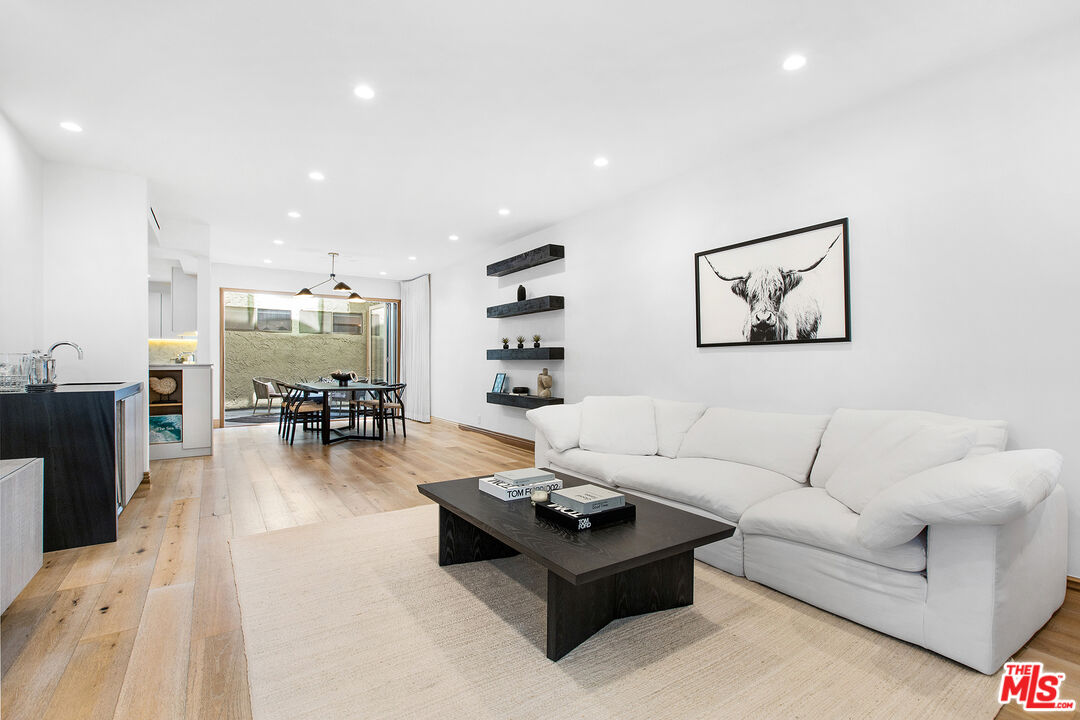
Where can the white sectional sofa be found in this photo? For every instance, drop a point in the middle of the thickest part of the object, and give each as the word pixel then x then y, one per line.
pixel 915 524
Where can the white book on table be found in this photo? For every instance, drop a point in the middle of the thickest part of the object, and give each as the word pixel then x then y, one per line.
pixel 588 499
pixel 506 491
pixel 525 476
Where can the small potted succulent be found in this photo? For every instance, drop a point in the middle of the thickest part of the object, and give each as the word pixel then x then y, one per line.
pixel 506 343
pixel 536 341
pixel 521 341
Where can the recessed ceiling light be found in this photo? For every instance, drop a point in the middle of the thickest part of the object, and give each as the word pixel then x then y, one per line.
pixel 364 92
pixel 267 261
pixel 412 257
pixel 454 238
pixel 71 126
pixel 794 62
pixel 293 214
pixel 279 241
pixel 600 161
pixel 382 272
pixel 504 211
pixel 316 176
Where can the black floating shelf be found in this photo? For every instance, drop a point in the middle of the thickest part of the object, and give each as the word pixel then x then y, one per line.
pixel 540 353
pixel 527 307
pixel 532 258
pixel 522 401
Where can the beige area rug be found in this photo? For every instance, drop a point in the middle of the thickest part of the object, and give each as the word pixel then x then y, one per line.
pixel 355 619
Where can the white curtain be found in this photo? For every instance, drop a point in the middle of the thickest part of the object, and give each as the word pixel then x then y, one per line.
pixel 416 347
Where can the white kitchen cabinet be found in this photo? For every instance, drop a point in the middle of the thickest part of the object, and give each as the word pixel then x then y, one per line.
pixel 130 423
pixel 192 401
pixel 21 510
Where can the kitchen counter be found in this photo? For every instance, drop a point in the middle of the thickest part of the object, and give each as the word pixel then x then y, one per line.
pixel 119 390
pixel 91 437
pixel 178 366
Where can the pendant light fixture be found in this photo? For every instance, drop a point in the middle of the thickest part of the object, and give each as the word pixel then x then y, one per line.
pixel 340 286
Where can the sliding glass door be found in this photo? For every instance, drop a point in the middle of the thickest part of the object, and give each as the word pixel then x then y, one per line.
pixel 294 339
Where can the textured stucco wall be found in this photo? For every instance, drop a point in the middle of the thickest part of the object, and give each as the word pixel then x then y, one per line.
pixel 287 357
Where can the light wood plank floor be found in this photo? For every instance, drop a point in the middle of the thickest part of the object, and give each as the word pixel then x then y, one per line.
pixel 149 627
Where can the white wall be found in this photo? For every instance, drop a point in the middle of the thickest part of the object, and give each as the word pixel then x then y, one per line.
pixel 238 277
pixel 962 196
pixel 20 242
pixel 95 259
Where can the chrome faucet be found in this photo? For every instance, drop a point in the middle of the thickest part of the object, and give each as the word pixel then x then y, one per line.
pixel 180 357
pixel 77 348
pixel 43 365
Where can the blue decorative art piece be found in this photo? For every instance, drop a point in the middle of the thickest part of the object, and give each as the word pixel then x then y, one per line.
pixel 166 428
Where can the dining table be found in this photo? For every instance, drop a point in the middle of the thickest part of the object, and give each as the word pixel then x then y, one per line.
pixel 333 435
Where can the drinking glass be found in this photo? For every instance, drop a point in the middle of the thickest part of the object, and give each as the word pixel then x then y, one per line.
pixel 13 371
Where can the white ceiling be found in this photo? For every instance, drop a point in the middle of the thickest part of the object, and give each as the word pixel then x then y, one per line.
pixel 227 105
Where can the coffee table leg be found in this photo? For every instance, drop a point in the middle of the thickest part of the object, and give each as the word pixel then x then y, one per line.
pixel 576 612
pixel 460 541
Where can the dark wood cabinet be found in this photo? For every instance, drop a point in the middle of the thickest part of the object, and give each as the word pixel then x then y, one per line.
pixel 90 439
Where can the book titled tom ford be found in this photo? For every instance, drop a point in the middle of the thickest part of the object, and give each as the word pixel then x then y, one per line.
pixel 588 499
pixel 574 521
pixel 506 491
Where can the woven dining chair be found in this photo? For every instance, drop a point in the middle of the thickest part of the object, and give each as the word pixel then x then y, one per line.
pixel 298 407
pixel 266 389
pixel 393 408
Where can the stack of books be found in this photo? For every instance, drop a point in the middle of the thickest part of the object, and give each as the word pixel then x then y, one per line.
pixel 519 484
pixel 586 507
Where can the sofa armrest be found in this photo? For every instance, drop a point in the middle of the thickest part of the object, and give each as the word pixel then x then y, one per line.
pixel 559 424
pixel 989 588
pixel 984 490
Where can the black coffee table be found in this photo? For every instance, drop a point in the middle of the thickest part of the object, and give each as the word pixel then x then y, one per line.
pixel 594 576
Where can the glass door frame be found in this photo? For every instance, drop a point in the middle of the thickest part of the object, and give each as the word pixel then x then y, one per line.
pixel 393 319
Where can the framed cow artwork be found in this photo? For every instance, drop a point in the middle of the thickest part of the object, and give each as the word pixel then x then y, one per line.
pixel 785 288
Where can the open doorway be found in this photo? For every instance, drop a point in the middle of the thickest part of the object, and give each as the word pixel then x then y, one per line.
pixel 272 337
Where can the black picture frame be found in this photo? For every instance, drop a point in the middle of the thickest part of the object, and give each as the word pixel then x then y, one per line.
pixel 500 383
pixel 755 272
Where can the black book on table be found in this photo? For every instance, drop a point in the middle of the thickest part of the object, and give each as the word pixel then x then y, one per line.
pixel 575 521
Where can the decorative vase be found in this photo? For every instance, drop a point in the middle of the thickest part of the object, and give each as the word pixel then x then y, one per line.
pixel 521 293
pixel 521 346
pixel 506 346
pixel 536 344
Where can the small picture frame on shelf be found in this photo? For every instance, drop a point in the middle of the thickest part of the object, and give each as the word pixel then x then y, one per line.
pixel 500 383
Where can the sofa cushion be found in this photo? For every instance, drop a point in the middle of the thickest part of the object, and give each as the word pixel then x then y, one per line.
pixel 812 517
pixel 673 419
pixel 560 424
pixel 601 466
pixel 849 428
pixel 894 451
pixel 623 424
pixel 717 486
pixel 982 490
pixel 780 442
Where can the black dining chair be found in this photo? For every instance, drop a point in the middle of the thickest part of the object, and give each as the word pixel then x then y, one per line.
pixel 299 406
pixel 393 408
